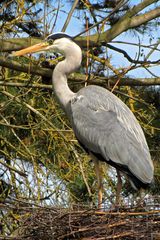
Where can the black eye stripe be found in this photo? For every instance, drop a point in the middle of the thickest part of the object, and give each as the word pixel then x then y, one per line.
pixel 50 41
pixel 55 36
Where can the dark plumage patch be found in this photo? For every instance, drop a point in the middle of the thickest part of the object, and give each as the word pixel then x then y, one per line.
pixel 59 35
pixel 123 168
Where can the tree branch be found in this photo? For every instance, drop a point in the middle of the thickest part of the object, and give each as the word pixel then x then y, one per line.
pixel 129 58
pixel 69 15
pixel 125 81
pixel 12 168
pixel 27 68
pixel 75 77
pixel 14 44
pixel 143 18
pixel 126 22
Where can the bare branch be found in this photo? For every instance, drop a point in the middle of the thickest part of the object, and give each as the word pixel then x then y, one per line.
pixel 14 44
pixel 17 99
pixel 143 18
pixel 27 84
pixel 126 22
pixel 31 69
pixel 80 78
pixel 13 168
pixel 129 58
pixel 76 77
pixel 69 15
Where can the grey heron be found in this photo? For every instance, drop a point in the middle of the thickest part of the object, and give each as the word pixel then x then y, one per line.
pixel 102 123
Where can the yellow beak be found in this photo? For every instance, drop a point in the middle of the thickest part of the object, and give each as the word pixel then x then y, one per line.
pixel 35 48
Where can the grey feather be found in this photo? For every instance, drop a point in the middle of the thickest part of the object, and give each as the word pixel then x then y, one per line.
pixel 105 125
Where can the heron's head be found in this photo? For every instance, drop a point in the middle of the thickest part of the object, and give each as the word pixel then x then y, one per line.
pixel 57 42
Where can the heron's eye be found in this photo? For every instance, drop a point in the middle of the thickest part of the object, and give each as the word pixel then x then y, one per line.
pixel 50 41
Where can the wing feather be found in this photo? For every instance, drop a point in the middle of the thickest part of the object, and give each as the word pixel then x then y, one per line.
pixel 106 126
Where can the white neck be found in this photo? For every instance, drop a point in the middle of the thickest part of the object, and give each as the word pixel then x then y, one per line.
pixel 73 57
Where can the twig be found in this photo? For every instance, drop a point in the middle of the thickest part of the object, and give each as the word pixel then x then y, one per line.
pixel 13 169
pixel 27 84
pixel 145 61
pixel 82 171
pixel 2 237
pixel 17 99
pixel 125 234
pixel 69 15
pixel 128 213
pixel 118 6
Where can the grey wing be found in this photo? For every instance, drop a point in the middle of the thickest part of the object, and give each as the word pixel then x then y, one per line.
pixel 106 126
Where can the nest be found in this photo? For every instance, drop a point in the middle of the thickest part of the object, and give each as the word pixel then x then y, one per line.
pixel 61 224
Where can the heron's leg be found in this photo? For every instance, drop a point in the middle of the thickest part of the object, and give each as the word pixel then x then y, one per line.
pixel 98 170
pixel 119 188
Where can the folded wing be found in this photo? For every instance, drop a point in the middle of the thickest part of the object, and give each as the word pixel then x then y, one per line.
pixel 106 126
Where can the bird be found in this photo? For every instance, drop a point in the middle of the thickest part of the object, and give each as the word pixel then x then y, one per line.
pixel 103 124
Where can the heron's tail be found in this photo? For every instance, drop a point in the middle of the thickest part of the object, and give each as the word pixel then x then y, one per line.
pixel 138 184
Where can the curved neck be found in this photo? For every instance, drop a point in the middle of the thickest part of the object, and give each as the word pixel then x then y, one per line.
pixel 73 56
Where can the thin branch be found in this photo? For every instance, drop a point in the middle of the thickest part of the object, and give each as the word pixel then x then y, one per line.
pixel 126 22
pixel 14 44
pixel 13 169
pixel 118 6
pixel 69 15
pixel 143 18
pixel 153 49
pixel 81 78
pixel 17 137
pixel 27 84
pixel 82 171
pixel 129 58
pixel 152 46
pixel 17 99
pixel 31 69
